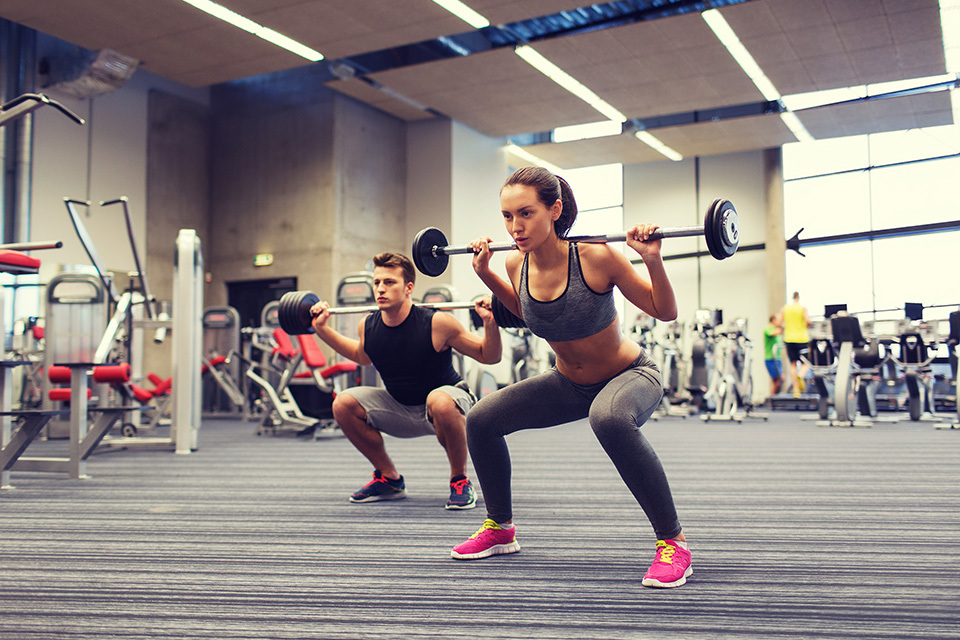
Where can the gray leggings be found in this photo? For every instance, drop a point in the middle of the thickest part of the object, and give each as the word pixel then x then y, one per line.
pixel 616 410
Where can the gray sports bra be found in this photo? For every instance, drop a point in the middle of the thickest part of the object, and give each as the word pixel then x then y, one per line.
pixel 577 313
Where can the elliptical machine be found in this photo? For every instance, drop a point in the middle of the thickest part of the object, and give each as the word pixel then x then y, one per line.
pixel 954 342
pixel 917 351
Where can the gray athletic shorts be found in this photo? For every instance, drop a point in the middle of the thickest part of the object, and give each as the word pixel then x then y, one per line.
pixel 386 415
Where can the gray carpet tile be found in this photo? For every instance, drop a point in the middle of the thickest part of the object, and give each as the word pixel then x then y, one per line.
pixel 797 531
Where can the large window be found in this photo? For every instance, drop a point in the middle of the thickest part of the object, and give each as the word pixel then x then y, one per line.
pixel 599 194
pixel 863 184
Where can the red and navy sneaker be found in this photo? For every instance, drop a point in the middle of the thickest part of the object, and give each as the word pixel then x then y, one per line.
pixel 380 488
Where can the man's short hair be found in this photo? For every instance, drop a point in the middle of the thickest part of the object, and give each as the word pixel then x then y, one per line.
pixel 390 259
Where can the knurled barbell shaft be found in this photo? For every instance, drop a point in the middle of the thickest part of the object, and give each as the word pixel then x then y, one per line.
pixel 294 313
pixel 440 306
pixel 670 232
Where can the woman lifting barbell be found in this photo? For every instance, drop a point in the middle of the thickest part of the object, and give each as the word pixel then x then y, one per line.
pixel 564 292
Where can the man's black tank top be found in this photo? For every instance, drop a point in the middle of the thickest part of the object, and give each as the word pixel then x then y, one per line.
pixel 405 358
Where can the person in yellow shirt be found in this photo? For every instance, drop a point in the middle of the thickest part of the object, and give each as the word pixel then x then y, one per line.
pixel 795 320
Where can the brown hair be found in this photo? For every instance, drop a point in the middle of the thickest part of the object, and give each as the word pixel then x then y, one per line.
pixel 388 259
pixel 549 188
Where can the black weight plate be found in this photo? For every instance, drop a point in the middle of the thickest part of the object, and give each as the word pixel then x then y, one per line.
pixel 710 233
pixel 428 262
pixel 728 224
pixel 286 318
pixel 282 313
pixel 306 318
pixel 293 313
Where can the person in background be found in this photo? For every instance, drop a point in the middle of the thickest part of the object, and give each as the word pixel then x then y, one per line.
pixel 794 320
pixel 771 354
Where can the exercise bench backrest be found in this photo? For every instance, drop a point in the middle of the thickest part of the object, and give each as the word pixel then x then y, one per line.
pixel 955 327
pixel 284 344
pixel 312 354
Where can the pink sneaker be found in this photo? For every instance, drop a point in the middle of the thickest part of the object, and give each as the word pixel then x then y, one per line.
pixel 490 540
pixel 671 567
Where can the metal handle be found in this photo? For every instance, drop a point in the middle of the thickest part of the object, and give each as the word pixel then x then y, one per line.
pixel 675 232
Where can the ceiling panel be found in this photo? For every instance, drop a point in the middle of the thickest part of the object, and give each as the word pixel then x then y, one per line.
pixel 810 45
pixel 506 11
pixel 655 68
pixel 495 92
pixel 585 153
pixel 875 116
pixel 647 69
pixel 726 136
pixel 338 29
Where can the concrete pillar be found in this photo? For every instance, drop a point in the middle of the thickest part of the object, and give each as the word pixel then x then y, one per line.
pixel 775 240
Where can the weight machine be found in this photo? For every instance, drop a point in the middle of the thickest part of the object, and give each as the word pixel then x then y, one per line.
pixel 733 391
pixel 850 380
pixel 186 324
pixel 703 375
pixel 954 342
pixel 918 340
pixel 222 396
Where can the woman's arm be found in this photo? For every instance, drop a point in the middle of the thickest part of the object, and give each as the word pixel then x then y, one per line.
pixel 653 293
pixel 502 289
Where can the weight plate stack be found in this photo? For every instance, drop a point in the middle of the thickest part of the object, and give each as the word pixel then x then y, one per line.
pixel 430 262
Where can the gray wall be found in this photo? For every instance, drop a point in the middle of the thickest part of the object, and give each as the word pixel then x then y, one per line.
pixel 678 194
pixel 178 196
pixel 429 186
pixel 313 177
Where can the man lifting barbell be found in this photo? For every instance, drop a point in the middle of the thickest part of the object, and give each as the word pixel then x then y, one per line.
pixel 410 347
pixel 563 290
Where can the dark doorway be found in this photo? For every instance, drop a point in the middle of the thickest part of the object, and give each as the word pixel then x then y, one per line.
pixel 249 297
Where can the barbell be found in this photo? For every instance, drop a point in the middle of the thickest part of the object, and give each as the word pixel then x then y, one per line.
pixel 721 228
pixel 294 316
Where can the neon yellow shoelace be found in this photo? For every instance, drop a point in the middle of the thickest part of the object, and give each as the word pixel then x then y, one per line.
pixel 487 524
pixel 666 551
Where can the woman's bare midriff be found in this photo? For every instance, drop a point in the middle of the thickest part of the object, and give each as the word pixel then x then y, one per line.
pixel 595 358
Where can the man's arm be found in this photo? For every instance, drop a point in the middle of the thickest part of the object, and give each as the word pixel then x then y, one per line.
pixel 350 348
pixel 448 331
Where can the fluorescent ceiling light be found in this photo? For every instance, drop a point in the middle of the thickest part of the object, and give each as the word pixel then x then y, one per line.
pixel 739 52
pixel 796 127
pixel 565 80
pixel 589 130
pixel 271 36
pixel 520 152
pixel 658 146
pixel 464 12
pixel 729 39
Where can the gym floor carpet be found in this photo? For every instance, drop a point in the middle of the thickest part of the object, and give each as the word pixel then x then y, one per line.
pixel 797 531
